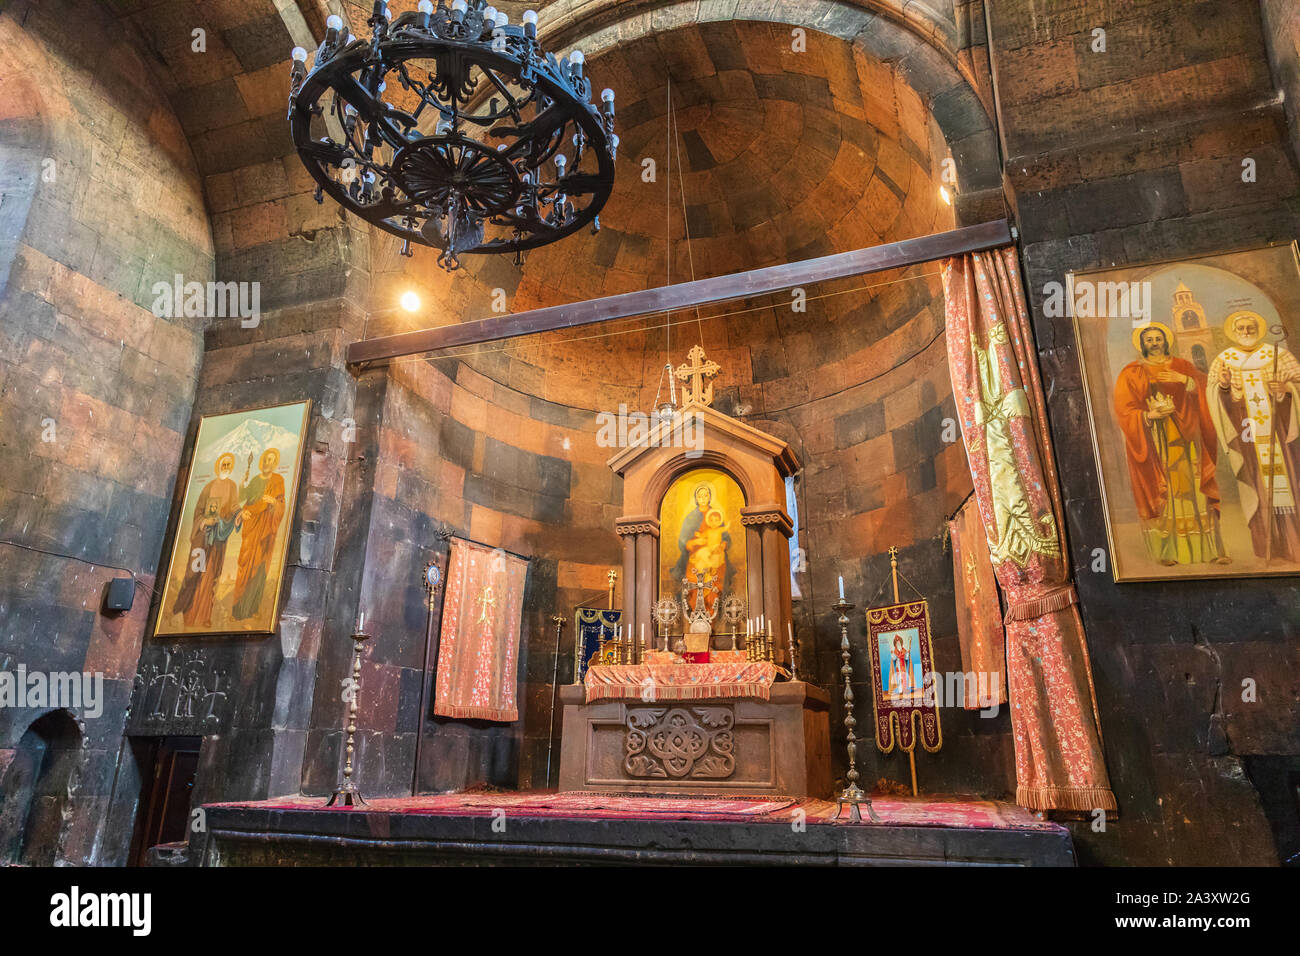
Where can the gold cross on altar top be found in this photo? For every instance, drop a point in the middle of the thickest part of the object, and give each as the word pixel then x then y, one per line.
pixel 696 370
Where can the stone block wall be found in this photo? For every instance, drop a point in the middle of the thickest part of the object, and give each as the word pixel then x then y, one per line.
pixel 101 200
pixel 1135 155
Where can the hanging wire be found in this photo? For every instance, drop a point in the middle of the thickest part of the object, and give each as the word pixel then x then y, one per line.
pixel 686 223
pixel 668 223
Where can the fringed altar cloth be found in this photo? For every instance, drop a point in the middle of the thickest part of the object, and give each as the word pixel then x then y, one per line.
pixel 654 682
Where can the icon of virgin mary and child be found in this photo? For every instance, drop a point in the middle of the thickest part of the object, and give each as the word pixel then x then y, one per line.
pixel 703 541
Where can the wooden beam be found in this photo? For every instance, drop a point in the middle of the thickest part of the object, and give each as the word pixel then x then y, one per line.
pixel 686 295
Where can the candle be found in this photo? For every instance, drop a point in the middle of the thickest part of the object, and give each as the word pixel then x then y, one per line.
pixel 841 587
pixel 361 623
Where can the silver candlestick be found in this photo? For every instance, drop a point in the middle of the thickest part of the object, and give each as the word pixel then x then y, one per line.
pixel 853 795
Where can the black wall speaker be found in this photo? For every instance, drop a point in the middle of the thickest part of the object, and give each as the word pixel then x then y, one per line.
pixel 118 595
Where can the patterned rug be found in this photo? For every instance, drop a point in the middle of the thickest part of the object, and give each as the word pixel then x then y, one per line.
pixel 962 812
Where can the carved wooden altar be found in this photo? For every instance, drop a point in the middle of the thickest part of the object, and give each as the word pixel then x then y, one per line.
pixel 720 485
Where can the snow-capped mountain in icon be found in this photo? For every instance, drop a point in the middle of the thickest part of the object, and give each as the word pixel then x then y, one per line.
pixel 253 437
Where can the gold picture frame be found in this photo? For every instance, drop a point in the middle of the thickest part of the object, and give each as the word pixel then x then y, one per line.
pixel 1184 486
pixel 226 568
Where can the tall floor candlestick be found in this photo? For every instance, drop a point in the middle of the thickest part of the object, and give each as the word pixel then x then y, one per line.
pixel 853 795
pixel 347 795
pixel 558 621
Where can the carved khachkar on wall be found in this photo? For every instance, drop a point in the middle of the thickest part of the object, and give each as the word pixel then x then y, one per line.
pixel 680 742
pixel 181 692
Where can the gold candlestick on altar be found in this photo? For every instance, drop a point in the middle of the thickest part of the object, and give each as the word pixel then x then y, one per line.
pixel 347 795
pixel 853 795
pixel 794 665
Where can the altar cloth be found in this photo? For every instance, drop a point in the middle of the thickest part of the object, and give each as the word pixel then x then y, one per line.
pixel 653 682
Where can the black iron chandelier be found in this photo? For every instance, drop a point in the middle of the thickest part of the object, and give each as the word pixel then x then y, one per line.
pixel 451 127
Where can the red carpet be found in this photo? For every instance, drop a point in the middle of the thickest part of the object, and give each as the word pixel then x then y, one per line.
pixel 893 811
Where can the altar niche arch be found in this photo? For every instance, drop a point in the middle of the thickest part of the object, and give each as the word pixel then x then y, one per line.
pixel 758 526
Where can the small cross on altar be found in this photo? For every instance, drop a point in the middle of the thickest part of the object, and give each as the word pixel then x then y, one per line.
pixel 696 370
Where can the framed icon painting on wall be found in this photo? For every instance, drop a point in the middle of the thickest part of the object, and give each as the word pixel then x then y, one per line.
pixel 1193 392
pixel 228 557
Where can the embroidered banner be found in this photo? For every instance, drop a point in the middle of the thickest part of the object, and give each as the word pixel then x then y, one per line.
pixel 979 615
pixel 592 626
pixel 479 643
pixel 898 640
pixel 994 368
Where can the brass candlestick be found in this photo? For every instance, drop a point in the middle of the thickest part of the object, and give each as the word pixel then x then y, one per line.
pixel 793 648
pixel 347 795
pixel 558 621
pixel 853 795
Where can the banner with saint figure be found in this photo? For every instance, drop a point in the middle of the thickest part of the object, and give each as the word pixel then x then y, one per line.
pixel 898 639
pixel 479 643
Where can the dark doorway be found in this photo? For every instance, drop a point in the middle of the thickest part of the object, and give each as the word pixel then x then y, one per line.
pixel 34 790
pixel 169 765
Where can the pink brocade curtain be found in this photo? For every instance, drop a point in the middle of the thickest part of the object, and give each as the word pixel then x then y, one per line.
pixel 479 641
pixel 994 367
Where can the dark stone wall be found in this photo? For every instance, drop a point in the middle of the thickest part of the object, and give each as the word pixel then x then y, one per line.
pixel 100 200
pixel 1282 37
pixel 1131 156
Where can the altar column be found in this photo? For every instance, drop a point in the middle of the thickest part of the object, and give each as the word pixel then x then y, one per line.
pixel 640 536
pixel 767 537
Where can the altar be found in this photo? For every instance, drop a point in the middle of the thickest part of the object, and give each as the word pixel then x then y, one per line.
pixel 696 691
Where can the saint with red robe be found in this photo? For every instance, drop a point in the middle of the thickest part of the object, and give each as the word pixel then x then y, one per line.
pixel 260 517
pixel 1161 407
pixel 213 521
pixel 1256 409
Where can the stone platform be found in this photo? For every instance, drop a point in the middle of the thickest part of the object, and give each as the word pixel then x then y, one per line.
pixel 541 828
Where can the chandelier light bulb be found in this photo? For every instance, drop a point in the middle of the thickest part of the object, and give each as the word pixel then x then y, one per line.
pixel 503 19
pixel 490 15
pixel 334 22
pixel 459 7
pixel 299 54
pixel 410 301
pixel 425 7
pixel 530 24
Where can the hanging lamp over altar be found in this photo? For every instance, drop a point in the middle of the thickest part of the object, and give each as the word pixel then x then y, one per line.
pixel 452 127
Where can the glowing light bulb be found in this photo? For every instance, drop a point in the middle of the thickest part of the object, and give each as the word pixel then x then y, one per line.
pixel 334 23
pixel 410 301
pixel 530 18
pixel 503 19
pixel 607 95
pixel 459 6
pixel 424 6
pixel 299 54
